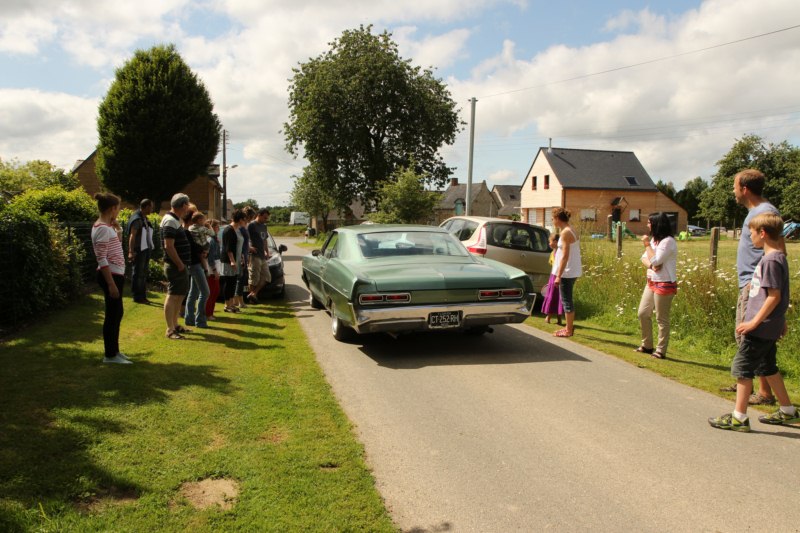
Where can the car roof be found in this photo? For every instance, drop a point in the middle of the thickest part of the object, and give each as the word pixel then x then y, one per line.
pixel 494 219
pixel 382 228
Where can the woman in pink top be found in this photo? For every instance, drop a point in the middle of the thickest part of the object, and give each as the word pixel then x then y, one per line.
pixel 107 245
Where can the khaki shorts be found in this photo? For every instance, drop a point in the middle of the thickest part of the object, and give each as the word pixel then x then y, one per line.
pixel 178 281
pixel 259 271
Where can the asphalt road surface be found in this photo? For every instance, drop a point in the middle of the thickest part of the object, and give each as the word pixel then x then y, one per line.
pixel 519 431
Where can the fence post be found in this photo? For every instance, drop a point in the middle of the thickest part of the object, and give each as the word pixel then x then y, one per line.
pixel 610 223
pixel 618 236
pixel 714 248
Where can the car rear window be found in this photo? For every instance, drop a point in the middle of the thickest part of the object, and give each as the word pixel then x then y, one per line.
pixel 517 237
pixel 395 243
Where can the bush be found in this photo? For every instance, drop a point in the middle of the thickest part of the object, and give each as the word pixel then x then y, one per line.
pixel 44 273
pixel 58 203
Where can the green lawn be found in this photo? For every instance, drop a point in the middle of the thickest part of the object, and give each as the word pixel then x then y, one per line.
pixel 91 447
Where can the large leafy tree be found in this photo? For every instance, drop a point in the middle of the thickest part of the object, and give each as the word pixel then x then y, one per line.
pixel 689 197
pixel 157 127
pixel 360 112
pixel 405 201
pixel 780 163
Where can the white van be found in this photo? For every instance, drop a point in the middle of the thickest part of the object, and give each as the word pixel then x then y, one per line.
pixel 299 218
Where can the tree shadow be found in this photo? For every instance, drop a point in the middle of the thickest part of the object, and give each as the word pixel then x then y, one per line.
pixel 503 347
pixel 49 420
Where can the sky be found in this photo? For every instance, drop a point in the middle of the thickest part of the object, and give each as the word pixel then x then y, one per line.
pixel 676 82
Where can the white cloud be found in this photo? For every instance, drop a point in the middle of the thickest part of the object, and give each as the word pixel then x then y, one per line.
pixel 54 126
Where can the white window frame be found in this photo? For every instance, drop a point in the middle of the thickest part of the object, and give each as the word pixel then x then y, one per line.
pixel 634 215
pixel 589 214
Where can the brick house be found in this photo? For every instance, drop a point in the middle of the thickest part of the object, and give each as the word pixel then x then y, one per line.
pixel 454 197
pixel 593 185
pixel 205 191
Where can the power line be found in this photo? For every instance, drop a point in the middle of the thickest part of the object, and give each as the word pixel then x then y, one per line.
pixel 649 61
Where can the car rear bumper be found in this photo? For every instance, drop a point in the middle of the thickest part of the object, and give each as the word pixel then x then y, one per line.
pixel 415 318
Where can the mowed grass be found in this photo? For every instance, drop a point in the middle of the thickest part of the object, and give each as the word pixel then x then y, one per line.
pixel 702 342
pixel 91 447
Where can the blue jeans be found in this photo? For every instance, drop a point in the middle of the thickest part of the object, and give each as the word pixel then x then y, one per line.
pixel 567 284
pixel 196 299
pixel 139 275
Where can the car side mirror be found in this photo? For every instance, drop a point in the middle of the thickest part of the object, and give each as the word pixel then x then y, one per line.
pixel 315 253
pixel 282 248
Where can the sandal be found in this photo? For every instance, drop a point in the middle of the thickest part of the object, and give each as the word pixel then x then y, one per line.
pixel 181 329
pixel 759 399
pixel 729 388
pixel 562 333
pixel 658 355
pixel 174 335
pixel 642 349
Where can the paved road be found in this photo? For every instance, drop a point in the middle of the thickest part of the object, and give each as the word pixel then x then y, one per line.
pixel 518 431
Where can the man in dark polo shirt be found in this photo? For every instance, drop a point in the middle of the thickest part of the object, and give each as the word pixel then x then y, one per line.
pixel 177 255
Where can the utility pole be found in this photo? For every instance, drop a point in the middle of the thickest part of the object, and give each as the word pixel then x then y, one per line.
pixel 224 176
pixel 468 199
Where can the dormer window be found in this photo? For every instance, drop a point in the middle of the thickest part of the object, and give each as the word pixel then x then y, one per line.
pixel 632 181
pixel 512 196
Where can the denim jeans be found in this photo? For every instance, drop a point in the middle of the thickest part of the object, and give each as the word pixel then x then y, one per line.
pixel 198 294
pixel 114 312
pixel 139 275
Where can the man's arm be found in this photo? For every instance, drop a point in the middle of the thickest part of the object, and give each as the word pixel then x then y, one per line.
pixel 132 242
pixel 169 247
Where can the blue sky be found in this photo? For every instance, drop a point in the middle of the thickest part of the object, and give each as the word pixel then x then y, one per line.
pixel 679 115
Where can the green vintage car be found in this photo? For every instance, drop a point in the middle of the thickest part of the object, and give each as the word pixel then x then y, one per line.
pixel 403 278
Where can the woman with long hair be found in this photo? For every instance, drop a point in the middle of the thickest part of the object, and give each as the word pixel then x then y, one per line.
pixel 568 269
pixel 106 233
pixel 660 258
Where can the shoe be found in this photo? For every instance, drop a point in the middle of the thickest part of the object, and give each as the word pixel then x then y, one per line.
pixel 120 354
pixel 642 349
pixel 118 360
pixel 181 329
pixel 174 335
pixel 728 421
pixel 202 326
pixel 759 399
pixel 231 310
pixel 242 306
pixel 190 324
pixel 211 317
pixel 729 388
pixel 253 300
pixel 658 355
pixel 142 301
pixel 779 417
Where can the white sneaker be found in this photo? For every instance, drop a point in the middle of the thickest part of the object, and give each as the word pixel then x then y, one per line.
pixel 117 359
pixel 120 354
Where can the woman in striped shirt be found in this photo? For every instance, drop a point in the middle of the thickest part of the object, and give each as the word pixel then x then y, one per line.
pixel 110 272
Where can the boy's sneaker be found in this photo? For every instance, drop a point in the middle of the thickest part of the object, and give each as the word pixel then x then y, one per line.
pixel 120 354
pixel 118 360
pixel 728 421
pixel 779 417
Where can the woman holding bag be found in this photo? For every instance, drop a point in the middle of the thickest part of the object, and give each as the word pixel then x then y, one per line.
pixel 660 258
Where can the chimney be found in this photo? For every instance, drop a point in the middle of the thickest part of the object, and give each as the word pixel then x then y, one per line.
pixel 550 145
pixel 453 182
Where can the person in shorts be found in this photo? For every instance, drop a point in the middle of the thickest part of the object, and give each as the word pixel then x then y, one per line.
pixel 259 267
pixel 763 325
pixel 177 255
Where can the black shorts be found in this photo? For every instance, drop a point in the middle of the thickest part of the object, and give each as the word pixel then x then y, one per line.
pixel 755 357
pixel 178 281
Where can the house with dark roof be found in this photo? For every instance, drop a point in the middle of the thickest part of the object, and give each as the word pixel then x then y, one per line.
pixel 205 191
pixel 594 185
pixel 454 203
pixel 507 198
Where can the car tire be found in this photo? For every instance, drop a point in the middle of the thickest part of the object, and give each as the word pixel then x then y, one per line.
pixel 340 331
pixel 313 302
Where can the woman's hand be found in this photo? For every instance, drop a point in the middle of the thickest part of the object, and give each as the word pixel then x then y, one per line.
pixel 113 291
pixel 646 240
pixel 557 281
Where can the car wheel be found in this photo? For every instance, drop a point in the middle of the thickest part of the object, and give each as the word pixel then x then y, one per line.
pixel 313 302
pixel 340 331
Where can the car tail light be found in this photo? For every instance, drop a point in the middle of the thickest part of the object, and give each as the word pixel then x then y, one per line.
pixel 480 246
pixel 511 293
pixel 392 298
pixel 488 294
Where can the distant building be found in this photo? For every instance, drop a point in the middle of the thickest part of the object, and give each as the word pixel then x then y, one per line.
pixel 454 203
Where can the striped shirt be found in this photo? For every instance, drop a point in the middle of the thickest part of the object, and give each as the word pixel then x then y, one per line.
pixel 108 248
pixel 171 228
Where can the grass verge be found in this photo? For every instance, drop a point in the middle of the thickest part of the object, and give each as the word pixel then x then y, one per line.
pixel 91 447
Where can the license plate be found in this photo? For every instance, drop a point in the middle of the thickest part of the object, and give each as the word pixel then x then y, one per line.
pixel 444 319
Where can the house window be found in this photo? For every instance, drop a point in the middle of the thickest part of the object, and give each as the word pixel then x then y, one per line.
pixel 632 181
pixel 459 207
pixel 547 181
pixel 534 217
pixel 634 215
pixel 533 183
pixel 589 214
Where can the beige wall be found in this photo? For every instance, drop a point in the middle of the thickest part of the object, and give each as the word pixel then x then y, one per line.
pixel 540 197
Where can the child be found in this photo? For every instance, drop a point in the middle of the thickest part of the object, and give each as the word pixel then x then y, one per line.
pixel 764 323
pixel 551 305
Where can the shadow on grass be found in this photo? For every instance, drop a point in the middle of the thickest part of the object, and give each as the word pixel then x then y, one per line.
pixel 51 415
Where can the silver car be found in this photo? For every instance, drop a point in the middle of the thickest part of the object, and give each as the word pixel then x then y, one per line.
pixel 514 243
